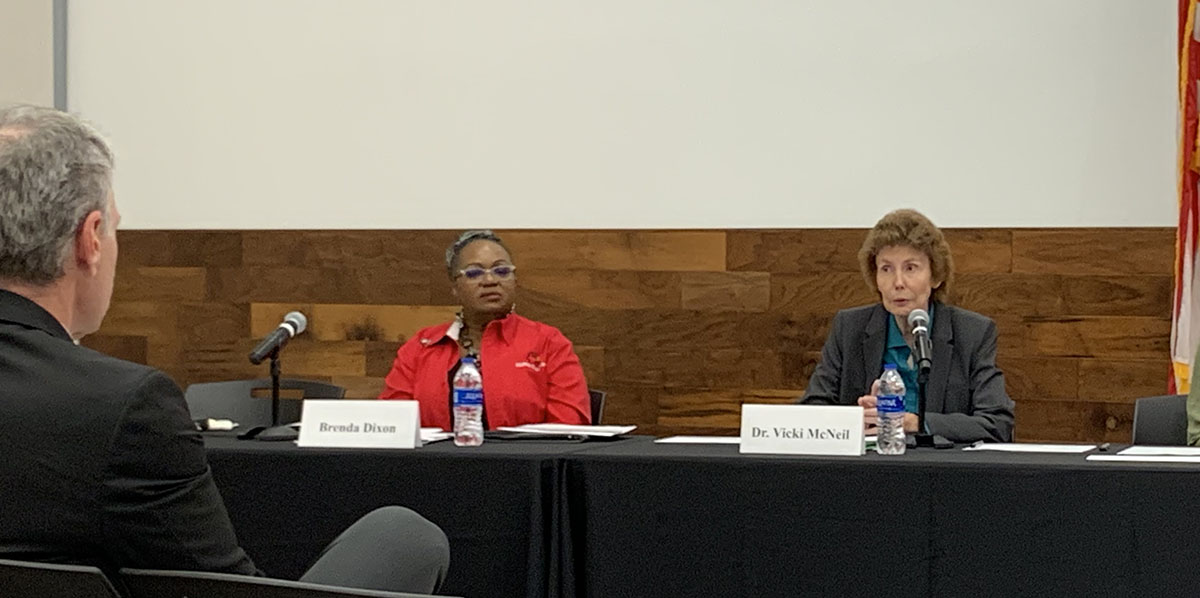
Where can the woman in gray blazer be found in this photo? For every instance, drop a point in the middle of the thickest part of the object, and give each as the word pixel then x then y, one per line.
pixel 906 259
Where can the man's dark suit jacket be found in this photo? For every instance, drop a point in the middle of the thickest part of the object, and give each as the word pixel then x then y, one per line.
pixel 965 396
pixel 99 461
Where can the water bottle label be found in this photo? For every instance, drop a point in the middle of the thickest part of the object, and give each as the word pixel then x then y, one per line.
pixel 890 404
pixel 468 397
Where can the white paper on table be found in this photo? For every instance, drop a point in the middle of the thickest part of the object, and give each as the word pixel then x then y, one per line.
pixel 1146 458
pixel 699 440
pixel 429 435
pixel 1179 451
pixel 717 440
pixel 600 431
pixel 1031 448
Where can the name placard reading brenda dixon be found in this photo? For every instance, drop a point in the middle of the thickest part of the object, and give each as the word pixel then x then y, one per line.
pixel 803 429
pixel 360 424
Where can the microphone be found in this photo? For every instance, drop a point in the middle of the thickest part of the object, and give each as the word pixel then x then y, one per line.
pixel 918 320
pixel 294 323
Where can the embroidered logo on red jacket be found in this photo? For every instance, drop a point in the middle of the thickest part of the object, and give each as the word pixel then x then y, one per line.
pixel 532 361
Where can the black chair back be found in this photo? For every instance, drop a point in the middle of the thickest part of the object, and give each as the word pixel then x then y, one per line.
pixel 24 579
pixel 597 399
pixel 236 400
pixel 146 583
pixel 1160 421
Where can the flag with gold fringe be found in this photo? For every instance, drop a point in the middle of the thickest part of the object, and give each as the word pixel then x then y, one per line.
pixel 1185 335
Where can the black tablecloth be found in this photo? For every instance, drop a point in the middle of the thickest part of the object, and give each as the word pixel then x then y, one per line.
pixel 497 503
pixel 634 518
pixel 702 520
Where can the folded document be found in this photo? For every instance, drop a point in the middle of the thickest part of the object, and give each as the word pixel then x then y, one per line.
pixel 568 429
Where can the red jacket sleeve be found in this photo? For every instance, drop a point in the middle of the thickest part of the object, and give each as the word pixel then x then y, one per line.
pixel 567 400
pixel 400 381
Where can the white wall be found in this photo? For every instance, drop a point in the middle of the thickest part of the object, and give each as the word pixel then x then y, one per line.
pixel 631 113
pixel 27 52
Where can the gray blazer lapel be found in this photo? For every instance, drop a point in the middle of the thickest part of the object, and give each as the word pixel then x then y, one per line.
pixel 943 351
pixel 873 341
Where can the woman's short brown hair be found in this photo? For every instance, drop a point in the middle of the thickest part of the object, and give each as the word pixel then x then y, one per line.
pixel 911 228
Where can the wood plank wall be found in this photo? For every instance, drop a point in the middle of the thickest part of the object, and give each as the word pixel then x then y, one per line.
pixel 680 327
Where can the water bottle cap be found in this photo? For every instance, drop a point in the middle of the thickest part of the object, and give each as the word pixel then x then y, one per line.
pixel 471 360
pixel 889 366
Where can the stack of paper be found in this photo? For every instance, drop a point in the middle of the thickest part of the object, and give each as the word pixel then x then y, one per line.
pixel 429 435
pixel 699 440
pixel 1153 454
pixel 598 431
pixel 1030 448
pixel 869 440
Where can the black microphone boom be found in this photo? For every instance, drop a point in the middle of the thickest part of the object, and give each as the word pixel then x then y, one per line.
pixel 918 321
pixel 294 323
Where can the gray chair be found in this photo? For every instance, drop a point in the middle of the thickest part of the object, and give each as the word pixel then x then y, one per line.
pixel 146 583
pixel 24 579
pixel 1160 421
pixel 597 400
pixel 237 400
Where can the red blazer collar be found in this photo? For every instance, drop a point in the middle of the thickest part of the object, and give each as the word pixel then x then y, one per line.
pixel 505 327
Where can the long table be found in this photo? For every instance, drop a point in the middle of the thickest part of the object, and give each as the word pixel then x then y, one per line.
pixel 635 518
pixel 497 503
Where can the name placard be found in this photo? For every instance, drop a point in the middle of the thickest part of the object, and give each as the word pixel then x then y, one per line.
pixel 360 424
pixel 803 429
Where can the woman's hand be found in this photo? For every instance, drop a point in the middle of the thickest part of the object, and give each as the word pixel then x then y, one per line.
pixel 870 413
pixel 870 402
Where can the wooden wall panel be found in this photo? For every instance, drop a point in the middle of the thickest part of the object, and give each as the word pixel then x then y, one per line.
pixel 181 248
pixel 1055 295
pixel 812 251
pixel 1114 381
pixel 297 284
pixel 160 284
pixel 592 360
pixel 1102 336
pixel 384 251
pixel 1004 294
pixel 708 409
pixel 705 368
pixel 603 289
pixel 726 291
pixel 679 327
pixel 1043 378
pixel 1056 421
pixel 208 323
pixel 1103 251
pixel 338 322
pixel 681 251
pixel 979 251
pixel 818 293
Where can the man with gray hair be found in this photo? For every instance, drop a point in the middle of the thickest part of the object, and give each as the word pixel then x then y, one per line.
pixel 102 464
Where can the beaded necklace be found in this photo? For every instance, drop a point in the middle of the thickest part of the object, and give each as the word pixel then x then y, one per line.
pixel 464 339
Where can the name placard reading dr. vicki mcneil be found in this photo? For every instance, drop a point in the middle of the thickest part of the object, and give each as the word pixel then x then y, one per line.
pixel 360 424
pixel 802 429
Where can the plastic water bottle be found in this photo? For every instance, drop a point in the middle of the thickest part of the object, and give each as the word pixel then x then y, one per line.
pixel 468 404
pixel 890 439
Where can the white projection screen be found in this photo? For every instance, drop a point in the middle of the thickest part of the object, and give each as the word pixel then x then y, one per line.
pixel 287 114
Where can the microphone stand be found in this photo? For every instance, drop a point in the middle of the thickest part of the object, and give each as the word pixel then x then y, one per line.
pixel 923 438
pixel 275 387
pixel 277 430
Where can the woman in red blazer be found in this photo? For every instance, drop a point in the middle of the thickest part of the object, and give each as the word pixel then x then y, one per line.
pixel 530 372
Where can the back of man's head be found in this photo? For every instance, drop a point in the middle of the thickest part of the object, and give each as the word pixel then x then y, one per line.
pixel 54 171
